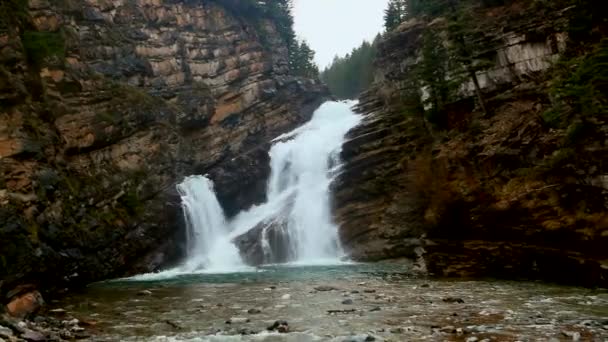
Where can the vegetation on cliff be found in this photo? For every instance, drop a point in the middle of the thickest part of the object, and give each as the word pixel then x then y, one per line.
pixel 348 76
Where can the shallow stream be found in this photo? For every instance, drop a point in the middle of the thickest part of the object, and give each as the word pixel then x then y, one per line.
pixel 361 302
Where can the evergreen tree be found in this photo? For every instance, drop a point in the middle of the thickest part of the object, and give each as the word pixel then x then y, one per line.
pixel 394 14
pixel 302 60
pixel 348 76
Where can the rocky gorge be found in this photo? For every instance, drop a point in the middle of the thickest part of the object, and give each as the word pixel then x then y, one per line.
pixel 106 105
pixel 500 188
pixel 477 157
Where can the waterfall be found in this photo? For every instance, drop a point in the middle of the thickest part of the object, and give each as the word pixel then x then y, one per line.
pixel 207 242
pixel 295 223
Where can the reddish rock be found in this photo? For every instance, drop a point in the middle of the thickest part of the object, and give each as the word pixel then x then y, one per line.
pixel 25 304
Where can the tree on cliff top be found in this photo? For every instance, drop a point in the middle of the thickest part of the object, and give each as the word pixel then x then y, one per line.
pixel 302 60
pixel 394 14
pixel 348 76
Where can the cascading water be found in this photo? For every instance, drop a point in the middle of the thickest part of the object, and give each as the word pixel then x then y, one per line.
pixel 297 212
pixel 207 242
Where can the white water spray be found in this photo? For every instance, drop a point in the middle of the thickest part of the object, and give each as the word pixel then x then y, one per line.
pixel 208 245
pixel 303 164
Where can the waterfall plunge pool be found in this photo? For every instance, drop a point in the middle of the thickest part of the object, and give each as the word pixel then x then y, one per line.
pixel 337 303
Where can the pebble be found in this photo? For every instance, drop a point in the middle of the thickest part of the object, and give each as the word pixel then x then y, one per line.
pixel 5 332
pixel 280 326
pixel 354 291
pixel 472 339
pixel 574 335
pixel 453 300
pixel 33 336
pixel 254 311
pixel 448 329
pixel 377 308
pixel 58 312
pixel 325 288
pixel 369 291
pixel 286 297
pixel 144 293
pixel 347 302
pixel 71 322
pixel 238 320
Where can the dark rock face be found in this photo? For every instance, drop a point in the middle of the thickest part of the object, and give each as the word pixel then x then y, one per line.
pixel 267 243
pixel 494 195
pixel 119 103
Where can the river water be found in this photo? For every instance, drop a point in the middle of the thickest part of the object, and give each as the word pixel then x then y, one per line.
pixel 369 301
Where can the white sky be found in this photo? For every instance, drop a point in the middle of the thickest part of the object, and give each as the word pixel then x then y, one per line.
pixel 335 27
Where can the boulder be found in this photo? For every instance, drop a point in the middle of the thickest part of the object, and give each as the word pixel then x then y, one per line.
pixel 267 243
pixel 25 304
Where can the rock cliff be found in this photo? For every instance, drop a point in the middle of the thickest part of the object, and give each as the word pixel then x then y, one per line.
pixel 508 192
pixel 106 105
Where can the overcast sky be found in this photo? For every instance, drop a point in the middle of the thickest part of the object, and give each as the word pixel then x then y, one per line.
pixel 337 26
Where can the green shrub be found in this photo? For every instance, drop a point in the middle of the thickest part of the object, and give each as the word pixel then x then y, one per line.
pixel 41 45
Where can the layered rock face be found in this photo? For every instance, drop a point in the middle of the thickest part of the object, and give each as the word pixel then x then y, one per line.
pixel 106 105
pixel 502 194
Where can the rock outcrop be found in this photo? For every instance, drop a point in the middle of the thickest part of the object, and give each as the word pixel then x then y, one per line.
pixel 501 194
pixel 106 105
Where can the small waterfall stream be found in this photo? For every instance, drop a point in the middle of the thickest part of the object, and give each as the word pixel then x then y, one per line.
pixel 295 224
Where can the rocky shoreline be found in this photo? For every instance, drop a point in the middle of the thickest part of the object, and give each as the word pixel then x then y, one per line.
pixel 373 302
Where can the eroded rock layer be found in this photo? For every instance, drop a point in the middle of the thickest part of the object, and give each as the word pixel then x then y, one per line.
pixel 502 194
pixel 106 105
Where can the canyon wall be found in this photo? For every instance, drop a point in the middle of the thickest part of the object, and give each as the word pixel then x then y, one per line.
pixel 500 193
pixel 106 105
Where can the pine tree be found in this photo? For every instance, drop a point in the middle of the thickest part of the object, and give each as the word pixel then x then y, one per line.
pixel 302 60
pixel 395 14
pixel 348 76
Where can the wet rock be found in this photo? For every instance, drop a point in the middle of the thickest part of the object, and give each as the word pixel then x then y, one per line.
pixel 245 331
pixel 377 308
pixel 238 320
pixel 173 324
pixel 448 329
pixel 363 338
pixel 453 300
pixel 58 312
pixel 25 304
pixel 354 291
pixel 325 288
pixel 347 302
pixel 280 326
pixel 397 331
pixel 71 322
pixel 254 245
pixel 573 335
pixel 369 291
pixel 254 311
pixel 144 293
pixel 6 332
pixel 33 336
pixel 331 312
pixel 425 285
